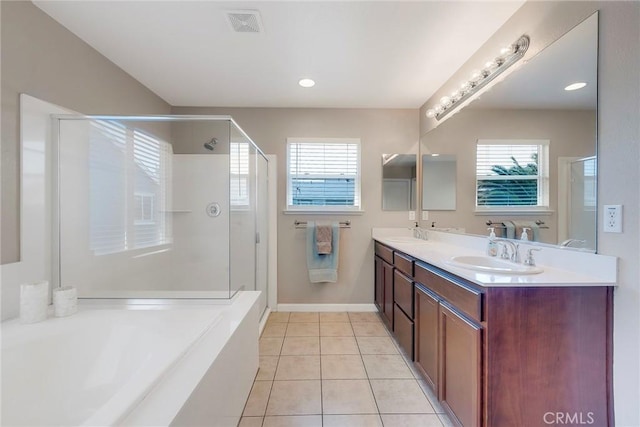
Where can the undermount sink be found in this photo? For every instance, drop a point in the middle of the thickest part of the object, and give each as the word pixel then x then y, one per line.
pixel 493 265
pixel 404 239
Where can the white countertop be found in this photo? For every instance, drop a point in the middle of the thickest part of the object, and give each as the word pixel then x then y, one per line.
pixel 561 267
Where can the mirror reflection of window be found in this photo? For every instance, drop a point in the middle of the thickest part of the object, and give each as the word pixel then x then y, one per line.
pixel 398 182
pixel 129 172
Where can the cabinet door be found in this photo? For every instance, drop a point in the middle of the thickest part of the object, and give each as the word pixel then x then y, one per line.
pixel 379 284
pixel 426 336
pixel 388 293
pixel 460 366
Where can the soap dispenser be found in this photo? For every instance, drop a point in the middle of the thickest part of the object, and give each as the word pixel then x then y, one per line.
pixel 524 236
pixel 492 246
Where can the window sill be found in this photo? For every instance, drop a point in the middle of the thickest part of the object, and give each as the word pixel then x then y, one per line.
pixel 512 212
pixel 321 212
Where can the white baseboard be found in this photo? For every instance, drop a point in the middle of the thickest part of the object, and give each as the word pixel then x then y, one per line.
pixel 263 320
pixel 327 307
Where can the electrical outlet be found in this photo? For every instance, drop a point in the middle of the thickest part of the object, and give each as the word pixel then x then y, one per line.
pixel 612 218
pixel 425 215
pixel 412 215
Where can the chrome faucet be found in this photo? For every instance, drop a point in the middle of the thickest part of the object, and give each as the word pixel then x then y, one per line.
pixel 515 254
pixel 529 259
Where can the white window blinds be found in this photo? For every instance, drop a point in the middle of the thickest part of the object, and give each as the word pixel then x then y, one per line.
pixel 130 177
pixel 323 173
pixel 512 173
pixel 239 178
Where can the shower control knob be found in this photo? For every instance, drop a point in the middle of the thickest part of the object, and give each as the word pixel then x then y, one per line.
pixel 213 209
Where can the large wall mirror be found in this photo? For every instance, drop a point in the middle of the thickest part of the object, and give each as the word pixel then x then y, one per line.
pixel 532 104
pixel 399 182
pixel 438 182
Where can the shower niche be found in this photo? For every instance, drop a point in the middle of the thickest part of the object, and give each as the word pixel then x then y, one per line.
pixel 160 207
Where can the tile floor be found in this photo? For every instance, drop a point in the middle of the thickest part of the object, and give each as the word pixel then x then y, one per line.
pixel 336 370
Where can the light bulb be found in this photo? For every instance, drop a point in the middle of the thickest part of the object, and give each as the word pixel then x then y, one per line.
pixel 490 65
pixel 507 51
pixel 430 113
pixel 438 109
pixel 464 87
pixel 445 101
pixel 455 95
pixel 476 76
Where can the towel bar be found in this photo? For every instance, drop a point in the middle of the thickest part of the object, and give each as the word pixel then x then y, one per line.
pixel 303 224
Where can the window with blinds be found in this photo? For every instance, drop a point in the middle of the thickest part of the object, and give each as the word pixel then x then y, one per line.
pixel 129 180
pixel 239 175
pixel 512 174
pixel 323 174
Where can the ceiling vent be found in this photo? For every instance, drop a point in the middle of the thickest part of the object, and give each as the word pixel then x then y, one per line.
pixel 245 21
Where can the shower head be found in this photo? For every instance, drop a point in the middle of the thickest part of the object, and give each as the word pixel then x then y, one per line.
pixel 211 145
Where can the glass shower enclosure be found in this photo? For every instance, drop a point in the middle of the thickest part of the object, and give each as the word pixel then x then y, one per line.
pixel 158 207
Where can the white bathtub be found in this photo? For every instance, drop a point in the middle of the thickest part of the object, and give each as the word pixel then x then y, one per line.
pixel 137 365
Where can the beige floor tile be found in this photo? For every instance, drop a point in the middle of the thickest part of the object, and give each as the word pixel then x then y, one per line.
pixel 295 398
pixel 304 317
pixel 274 330
pixel 338 345
pixel 431 396
pixel 411 420
pixel 386 366
pixel 298 368
pixel 376 345
pixel 270 346
pixel 365 316
pixel 334 317
pixel 250 422
pixel 369 329
pixel 352 421
pixel 267 370
pixel 258 398
pixel 293 421
pixel 336 329
pixel 279 316
pixel 300 346
pixel 348 397
pixel 342 367
pixel 400 397
pixel 303 330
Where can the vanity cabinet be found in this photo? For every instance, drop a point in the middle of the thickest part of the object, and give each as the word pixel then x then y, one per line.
pixel 384 282
pixel 503 355
pixel 426 335
pixel 460 366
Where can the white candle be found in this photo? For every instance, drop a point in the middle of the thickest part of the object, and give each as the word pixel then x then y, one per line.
pixel 65 301
pixel 34 299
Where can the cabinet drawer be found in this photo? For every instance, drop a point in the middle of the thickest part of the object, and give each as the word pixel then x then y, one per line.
pixel 403 263
pixel 465 299
pixel 384 252
pixel 403 292
pixel 403 329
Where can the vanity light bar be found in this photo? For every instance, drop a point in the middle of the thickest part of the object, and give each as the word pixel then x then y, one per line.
pixel 480 78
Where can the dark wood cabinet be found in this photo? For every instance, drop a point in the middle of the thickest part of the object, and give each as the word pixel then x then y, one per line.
pixel 460 366
pixel 387 305
pixel 503 355
pixel 384 283
pixel 379 284
pixel 426 335
pixel 403 330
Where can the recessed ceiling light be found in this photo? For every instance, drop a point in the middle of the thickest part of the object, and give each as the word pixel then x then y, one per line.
pixel 575 86
pixel 306 83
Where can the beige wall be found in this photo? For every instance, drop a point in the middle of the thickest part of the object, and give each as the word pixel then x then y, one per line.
pixel 45 60
pixel 571 134
pixel 378 130
pixel 618 155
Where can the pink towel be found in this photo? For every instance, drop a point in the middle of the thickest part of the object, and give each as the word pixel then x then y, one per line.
pixel 324 235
